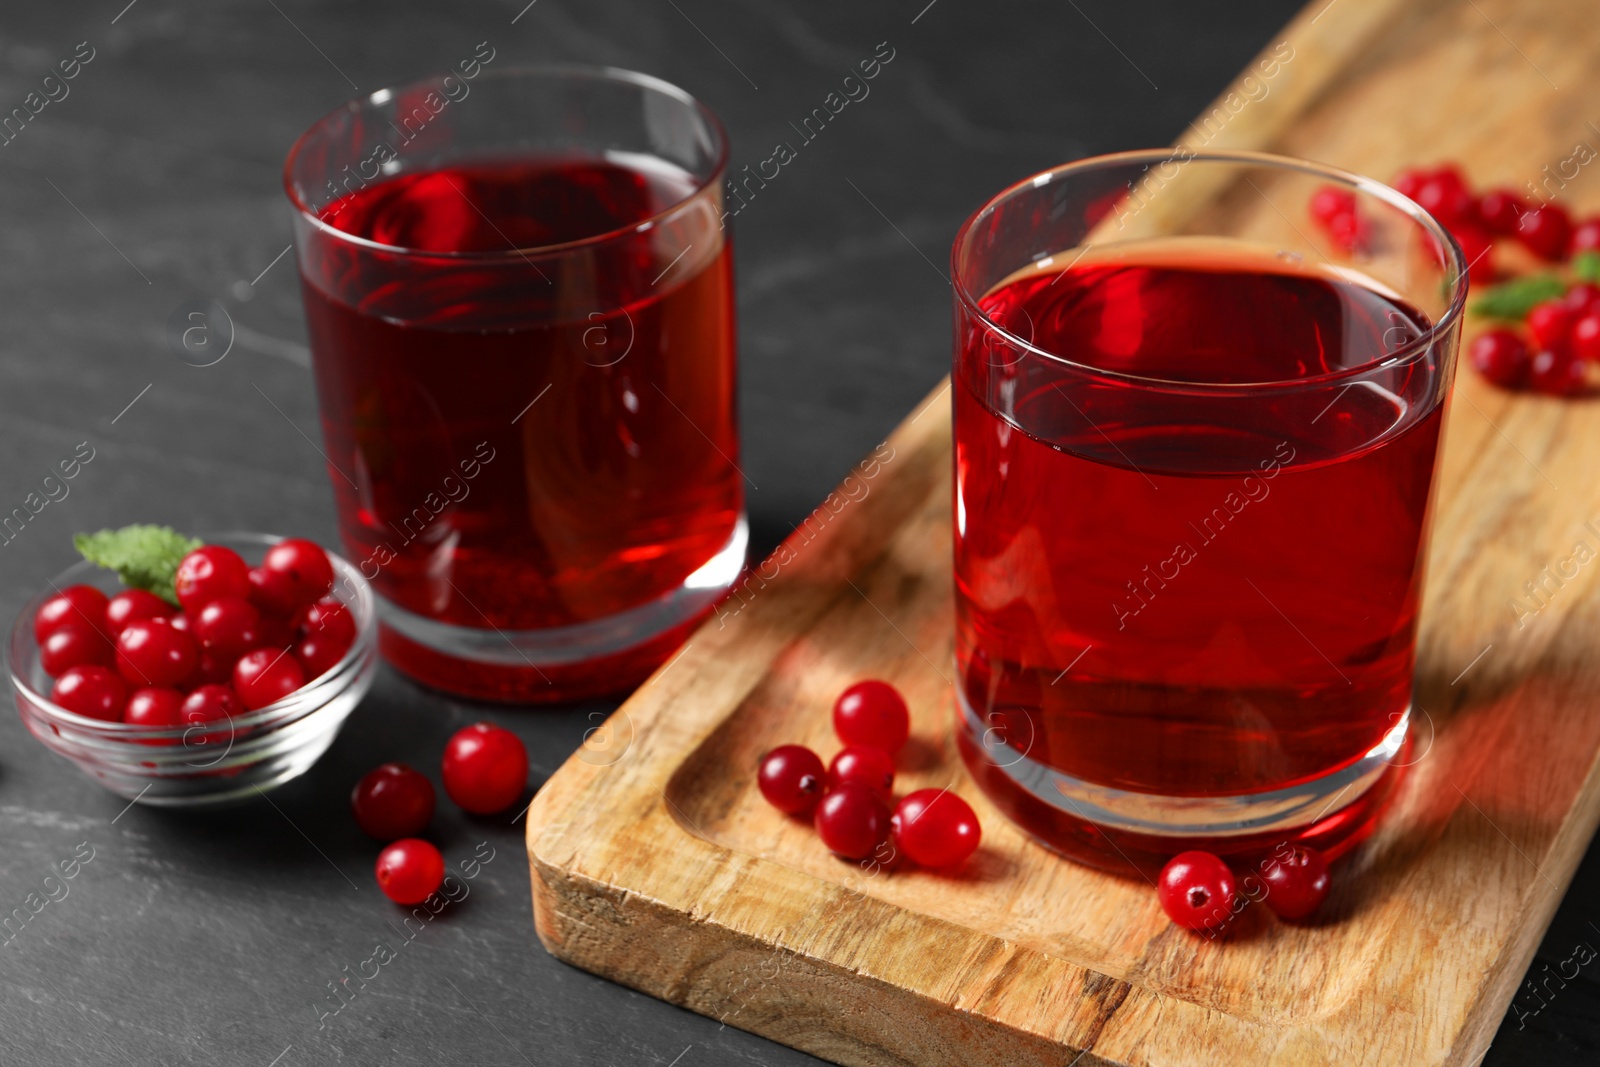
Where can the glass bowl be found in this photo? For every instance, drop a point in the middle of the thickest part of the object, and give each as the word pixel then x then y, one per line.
pixel 218 762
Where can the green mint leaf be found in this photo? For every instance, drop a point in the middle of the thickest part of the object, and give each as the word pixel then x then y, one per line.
pixel 1586 266
pixel 144 557
pixel 1514 299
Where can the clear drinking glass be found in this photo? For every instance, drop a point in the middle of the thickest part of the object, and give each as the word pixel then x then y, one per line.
pixel 519 292
pixel 1195 451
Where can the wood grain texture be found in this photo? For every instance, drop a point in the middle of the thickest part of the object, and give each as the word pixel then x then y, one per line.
pixel 656 864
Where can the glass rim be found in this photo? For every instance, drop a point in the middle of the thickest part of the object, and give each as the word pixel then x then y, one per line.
pixel 1357 182
pixel 573 72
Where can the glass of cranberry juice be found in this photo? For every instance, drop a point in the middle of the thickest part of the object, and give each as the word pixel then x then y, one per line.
pixel 1195 444
pixel 519 292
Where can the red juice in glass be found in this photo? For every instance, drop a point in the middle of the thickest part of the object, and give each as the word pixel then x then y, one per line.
pixel 1190 534
pixel 525 364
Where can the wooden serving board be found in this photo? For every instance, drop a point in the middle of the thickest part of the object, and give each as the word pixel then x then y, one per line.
pixel 656 864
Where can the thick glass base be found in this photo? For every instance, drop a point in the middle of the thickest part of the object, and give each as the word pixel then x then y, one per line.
pixel 587 661
pixel 1126 832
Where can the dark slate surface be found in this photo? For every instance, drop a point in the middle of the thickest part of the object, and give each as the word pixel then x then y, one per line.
pixel 213 939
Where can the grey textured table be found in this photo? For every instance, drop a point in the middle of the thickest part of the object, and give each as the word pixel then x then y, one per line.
pixel 215 938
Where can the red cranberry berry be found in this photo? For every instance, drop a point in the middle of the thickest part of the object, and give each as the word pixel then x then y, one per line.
pixel 273 592
pixel 71 645
pixel 852 821
pixel 133 604
pixel 1349 232
pixel 209 573
pixel 792 779
pixel 330 618
pixel 92 691
pixel 1297 881
pixel 305 566
pixel 228 627
pixel 1586 336
pixel 1499 210
pixel 1583 298
pixel 213 670
pixel 1550 322
pixel 1408 183
pixel 935 828
pixel 1446 197
pixel 1546 231
pixel 151 653
pixel 872 713
pixel 865 765
pixel 154 708
pixel 82 605
pixel 1586 236
pixel 485 768
pixel 1478 248
pixel 1556 372
pixel 1500 356
pixel 319 653
pixel 265 676
pixel 409 871
pixel 209 703
pixel 1331 201
pixel 392 801
pixel 1196 891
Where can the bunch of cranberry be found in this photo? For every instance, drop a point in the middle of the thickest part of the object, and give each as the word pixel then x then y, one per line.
pixel 848 802
pixel 238 639
pixel 485 769
pixel 1198 891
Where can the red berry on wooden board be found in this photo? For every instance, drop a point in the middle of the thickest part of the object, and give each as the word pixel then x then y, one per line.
pixel 1586 236
pixel 1500 356
pixel 1499 210
pixel 852 821
pixel 1409 181
pixel 1583 298
pixel 865 765
pixel 1546 231
pixel 228 626
pixel 1331 201
pixel 132 604
pixel 71 645
pixel 1478 248
pixel 305 566
pixel 1196 891
pixel 151 653
pixel 792 779
pixel 485 768
pixel 872 713
pixel 91 691
pixel 1349 232
pixel 1550 322
pixel 81 605
pixel 209 573
pixel 409 871
pixel 1556 372
pixel 935 828
pixel 1446 197
pixel 392 801
pixel 154 707
pixel 265 676
pixel 1297 881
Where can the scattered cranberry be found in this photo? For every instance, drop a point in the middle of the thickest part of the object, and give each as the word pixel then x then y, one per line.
pixel 1550 322
pixel 1445 196
pixel 1196 891
pixel 485 768
pixel 872 713
pixel 82 605
pixel 409 871
pixel 1583 298
pixel 1408 183
pixel 1501 357
pixel 92 691
pixel 305 565
pixel 228 627
pixel 71 645
pixel 209 573
pixel 133 604
pixel 1499 210
pixel 1586 236
pixel 1331 201
pixel 865 765
pixel 1478 248
pixel 331 618
pixel 265 676
pixel 154 707
pixel 792 779
pixel 935 828
pixel 1546 231
pixel 208 703
pixel 852 821
pixel 1349 232
pixel 1556 372
pixel 1297 882
pixel 392 801
pixel 150 652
